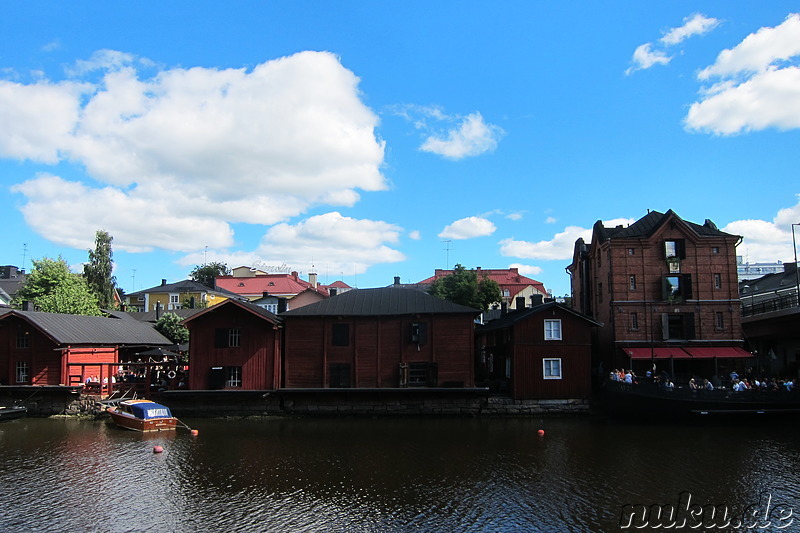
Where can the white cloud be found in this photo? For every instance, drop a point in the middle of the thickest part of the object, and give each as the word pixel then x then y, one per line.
pixel 195 148
pixel 767 241
pixel 560 247
pixel 755 85
pixel 645 56
pixel 514 216
pixel 550 220
pixel 696 24
pixel 415 235
pixel 472 137
pixel 526 270
pixel 468 228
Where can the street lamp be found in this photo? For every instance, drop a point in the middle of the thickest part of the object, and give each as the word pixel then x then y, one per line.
pixel 796 274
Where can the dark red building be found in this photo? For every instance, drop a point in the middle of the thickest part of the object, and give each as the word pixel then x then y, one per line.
pixel 541 352
pixel 379 338
pixel 234 345
pixel 666 291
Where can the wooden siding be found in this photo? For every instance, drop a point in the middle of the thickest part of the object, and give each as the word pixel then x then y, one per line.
pixel 43 358
pixel 257 353
pixel 377 346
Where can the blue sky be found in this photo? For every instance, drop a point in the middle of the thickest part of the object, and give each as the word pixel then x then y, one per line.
pixel 367 140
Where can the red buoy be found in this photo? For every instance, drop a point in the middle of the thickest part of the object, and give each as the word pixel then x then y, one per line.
pixel 194 432
pixel 541 433
pixel 157 449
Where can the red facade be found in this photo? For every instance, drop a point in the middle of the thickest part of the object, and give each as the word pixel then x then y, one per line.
pixel 539 353
pixel 234 345
pixel 434 350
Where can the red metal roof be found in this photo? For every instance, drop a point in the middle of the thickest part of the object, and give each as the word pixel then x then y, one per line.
pixel 508 278
pixel 275 284
pixel 720 351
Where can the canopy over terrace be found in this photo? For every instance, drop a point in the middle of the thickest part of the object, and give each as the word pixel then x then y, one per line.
pixel 685 355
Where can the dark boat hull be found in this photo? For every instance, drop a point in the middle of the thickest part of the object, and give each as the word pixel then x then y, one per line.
pixel 10 413
pixel 648 402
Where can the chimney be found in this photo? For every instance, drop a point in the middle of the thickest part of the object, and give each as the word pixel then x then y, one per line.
pixel 537 299
pixel 397 280
pixel 163 282
pixel 294 275
pixel 503 309
pixel 520 303
pixel 158 309
pixel 27 305
pixel 282 305
pixel 264 294
pixel 312 279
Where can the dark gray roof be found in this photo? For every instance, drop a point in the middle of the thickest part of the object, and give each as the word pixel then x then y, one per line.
pixel 648 224
pixel 150 316
pixel 186 285
pixel 512 317
pixel 93 330
pixel 380 302
pixel 253 308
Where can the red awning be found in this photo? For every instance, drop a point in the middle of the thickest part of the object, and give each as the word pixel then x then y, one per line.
pixel 658 353
pixel 720 351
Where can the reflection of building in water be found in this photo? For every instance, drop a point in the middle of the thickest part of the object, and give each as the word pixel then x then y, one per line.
pixel 747 270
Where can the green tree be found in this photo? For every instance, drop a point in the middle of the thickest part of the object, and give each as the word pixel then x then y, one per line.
pixel 97 271
pixel 170 326
pixel 52 288
pixel 463 287
pixel 207 273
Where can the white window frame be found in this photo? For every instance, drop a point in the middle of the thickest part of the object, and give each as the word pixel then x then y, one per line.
pixel 22 372
pixel 552 329
pixel 234 338
pixel 549 364
pixel 233 376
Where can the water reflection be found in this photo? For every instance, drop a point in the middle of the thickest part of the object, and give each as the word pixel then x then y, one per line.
pixel 392 474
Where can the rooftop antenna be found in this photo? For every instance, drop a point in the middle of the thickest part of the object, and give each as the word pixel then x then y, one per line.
pixel 24 253
pixel 447 256
pixel 134 281
pixel 205 256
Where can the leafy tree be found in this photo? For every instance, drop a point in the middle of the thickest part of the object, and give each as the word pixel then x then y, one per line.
pixel 97 271
pixel 207 273
pixel 187 303
pixel 463 287
pixel 170 326
pixel 52 288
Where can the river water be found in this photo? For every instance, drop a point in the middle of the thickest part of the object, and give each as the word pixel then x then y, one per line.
pixel 386 475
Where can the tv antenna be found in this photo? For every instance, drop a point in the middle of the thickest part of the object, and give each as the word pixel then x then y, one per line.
pixel 24 253
pixel 447 255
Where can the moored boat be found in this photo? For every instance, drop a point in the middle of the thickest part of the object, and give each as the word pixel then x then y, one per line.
pixel 10 413
pixel 651 402
pixel 143 415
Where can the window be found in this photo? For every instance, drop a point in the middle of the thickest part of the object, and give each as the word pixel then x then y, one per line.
pixel 715 250
pixel 719 320
pixel 228 338
pixel 233 376
pixel 23 340
pixel 272 308
pixel 422 374
pixel 234 337
pixel 674 249
pixel 419 333
pixel 552 329
pixel 551 368
pixel 340 335
pixel 677 288
pixel 600 292
pixel 634 320
pixel 22 372
pixel 173 299
pixel 506 293
pixel 633 281
pixel 717 281
pixel 631 251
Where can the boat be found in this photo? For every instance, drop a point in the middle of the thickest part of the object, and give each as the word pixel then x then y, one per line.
pixel 143 415
pixel 648 401
pixel 10 413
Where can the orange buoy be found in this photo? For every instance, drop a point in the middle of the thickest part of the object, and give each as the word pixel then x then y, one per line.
pixel 541 433
pixel 194 432
pixel 157 449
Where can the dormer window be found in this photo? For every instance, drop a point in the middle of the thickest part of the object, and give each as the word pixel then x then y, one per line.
pixel 241 284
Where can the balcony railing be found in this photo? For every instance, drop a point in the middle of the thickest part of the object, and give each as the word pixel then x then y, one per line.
pixel 754 306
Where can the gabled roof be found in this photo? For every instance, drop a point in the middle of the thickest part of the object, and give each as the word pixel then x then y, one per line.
pixel 514 317
pixel 247 306
pixel 89 330
pixel 649 224
pixel 387 301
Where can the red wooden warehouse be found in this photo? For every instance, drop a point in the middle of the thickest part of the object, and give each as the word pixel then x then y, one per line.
pixel 57 349
pixel 542 352
pixel 379 338
pixel 234 345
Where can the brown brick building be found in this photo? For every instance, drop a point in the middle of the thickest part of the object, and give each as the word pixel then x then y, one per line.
pixel 666 291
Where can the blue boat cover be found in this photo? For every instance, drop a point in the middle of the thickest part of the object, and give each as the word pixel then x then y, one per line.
pixel 149 410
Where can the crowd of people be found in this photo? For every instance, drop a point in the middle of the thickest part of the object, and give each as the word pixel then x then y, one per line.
pixel 736 383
